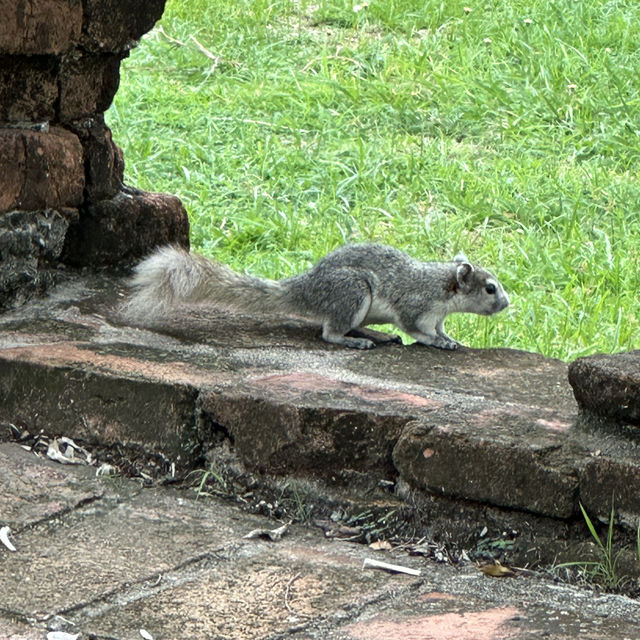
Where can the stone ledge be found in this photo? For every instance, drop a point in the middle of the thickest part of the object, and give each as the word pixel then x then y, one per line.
pixel 495 429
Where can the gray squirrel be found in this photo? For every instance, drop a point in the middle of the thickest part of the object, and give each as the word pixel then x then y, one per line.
pixel 350 288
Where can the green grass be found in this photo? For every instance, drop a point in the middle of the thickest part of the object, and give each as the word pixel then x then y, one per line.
pixel 510 132
pixel 605 570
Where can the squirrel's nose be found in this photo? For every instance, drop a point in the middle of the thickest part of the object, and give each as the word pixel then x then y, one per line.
pixel 501 302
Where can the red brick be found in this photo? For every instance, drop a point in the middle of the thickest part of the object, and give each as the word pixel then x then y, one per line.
pixel 39 26
pixel 28 88
pixel 126 227
pixel 87 84
pixel 40 170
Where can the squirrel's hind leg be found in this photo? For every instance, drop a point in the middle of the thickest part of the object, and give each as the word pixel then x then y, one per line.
pixel 341 300
pixel 378 337
pixel 353 300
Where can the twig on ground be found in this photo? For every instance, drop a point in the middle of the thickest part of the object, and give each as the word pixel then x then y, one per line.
pixel 287 593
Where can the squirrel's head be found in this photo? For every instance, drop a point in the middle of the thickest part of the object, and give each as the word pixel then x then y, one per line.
pixel 477 290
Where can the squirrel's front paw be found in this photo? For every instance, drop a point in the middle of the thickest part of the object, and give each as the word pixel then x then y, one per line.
pixel 445 343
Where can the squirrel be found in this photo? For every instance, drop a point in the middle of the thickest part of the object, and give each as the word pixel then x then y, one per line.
pixel 352 287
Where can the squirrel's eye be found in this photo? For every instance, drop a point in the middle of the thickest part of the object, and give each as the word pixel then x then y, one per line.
pixel 490 289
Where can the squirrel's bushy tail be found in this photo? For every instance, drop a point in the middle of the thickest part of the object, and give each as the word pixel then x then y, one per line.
pixel 171 276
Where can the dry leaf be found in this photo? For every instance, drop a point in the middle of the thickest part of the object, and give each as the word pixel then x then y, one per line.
pixel 497 570
pixel 336 530
pixel 381 545
pixel 145 634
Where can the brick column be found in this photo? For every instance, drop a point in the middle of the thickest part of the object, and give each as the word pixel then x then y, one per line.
pixel 62 198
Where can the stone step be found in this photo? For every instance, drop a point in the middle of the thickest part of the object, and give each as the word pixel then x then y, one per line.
pixel 608 386
pixel 482 429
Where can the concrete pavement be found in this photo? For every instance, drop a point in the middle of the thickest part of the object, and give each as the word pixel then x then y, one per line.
pixel 107 559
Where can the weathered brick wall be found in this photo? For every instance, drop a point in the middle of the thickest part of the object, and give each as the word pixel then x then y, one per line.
pixel 62 198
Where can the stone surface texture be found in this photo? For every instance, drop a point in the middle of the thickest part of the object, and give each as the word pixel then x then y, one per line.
pixel 608 386
pixel 59 71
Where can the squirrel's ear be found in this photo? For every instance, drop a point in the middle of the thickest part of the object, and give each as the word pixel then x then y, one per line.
pixel 460 257
pixel 463 272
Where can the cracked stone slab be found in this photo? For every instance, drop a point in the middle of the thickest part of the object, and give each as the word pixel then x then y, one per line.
pixel 160 560
pixel 34 489
pixel 477 608
pixel 166 562
pixel 265 590
pixel 109 545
